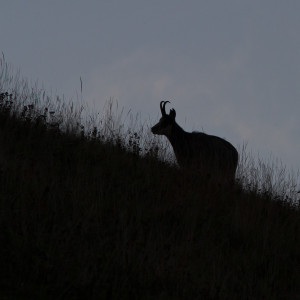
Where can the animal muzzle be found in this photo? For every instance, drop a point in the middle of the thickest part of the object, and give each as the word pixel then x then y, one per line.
pixel 154 129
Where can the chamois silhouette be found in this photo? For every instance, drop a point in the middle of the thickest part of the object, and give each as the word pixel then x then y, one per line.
pixel 209 156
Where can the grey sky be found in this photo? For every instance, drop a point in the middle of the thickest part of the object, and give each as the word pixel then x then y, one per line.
pixel 231 68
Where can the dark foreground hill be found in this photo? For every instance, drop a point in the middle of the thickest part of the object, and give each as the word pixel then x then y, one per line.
pixel 82 219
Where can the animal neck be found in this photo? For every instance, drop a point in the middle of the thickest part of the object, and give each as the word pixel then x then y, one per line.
pixel 176 135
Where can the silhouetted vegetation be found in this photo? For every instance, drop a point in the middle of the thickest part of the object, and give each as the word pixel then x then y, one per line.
pixel 96 213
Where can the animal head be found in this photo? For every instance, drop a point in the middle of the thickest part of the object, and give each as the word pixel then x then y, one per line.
pixel 164 126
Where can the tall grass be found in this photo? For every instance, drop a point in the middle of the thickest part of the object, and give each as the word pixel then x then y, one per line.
pixel 268 176
pixel 92 208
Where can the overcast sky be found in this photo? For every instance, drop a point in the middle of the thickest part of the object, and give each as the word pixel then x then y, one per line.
pixel 230 68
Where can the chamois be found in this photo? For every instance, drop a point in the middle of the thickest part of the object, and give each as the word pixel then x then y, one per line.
pixel 211 156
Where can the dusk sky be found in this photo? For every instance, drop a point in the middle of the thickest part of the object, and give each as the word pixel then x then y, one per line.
pixel 230 68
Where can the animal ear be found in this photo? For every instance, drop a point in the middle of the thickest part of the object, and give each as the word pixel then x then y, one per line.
pixel 173 113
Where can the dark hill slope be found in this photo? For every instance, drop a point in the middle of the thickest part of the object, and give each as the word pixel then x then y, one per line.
pixel 80 218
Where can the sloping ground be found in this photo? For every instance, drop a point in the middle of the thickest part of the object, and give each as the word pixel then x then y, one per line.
pixel 80 219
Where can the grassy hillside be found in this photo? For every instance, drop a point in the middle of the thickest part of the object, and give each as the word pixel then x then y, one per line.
pixel 82 216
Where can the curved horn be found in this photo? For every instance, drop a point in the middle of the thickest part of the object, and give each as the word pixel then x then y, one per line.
pixel 163 107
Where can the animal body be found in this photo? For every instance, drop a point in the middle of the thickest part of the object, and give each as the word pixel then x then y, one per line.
pixel 210 156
